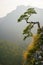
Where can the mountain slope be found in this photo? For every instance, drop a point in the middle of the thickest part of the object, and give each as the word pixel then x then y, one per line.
pixel 11 30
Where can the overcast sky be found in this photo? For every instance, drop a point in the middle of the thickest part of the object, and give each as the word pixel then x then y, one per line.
pixel 7 6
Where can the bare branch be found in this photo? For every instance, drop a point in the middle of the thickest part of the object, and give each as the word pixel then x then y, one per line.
pixel 35 23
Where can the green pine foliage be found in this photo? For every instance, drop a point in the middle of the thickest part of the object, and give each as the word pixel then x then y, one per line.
pixel 22 17
pixel 27 31
pixel 30 11
pixel 27 14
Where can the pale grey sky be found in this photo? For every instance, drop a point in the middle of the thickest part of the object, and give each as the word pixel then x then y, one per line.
pixel 7 6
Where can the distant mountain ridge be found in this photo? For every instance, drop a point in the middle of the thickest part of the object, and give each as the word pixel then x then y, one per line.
pixel 10 29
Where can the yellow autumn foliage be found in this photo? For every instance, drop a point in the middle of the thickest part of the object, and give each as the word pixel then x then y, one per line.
pixel 34 42
pixel 32 47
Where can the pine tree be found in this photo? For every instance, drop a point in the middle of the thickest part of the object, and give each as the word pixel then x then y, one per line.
pixel 34 54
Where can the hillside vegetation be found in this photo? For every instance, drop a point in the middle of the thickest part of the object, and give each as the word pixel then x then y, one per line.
pixel 10 53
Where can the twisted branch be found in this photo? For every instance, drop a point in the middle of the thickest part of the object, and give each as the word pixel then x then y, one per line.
pixel 35 23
